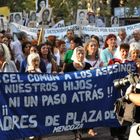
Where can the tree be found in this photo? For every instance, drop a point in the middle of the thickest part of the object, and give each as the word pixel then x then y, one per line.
pixel 18 5
pixel 65 9
pixel 132 5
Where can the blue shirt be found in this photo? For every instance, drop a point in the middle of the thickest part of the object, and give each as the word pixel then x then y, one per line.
pixel 106 56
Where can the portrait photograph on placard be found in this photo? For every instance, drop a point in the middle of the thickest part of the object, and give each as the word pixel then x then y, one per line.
pixel 45 16
pixel 18 18
pixel 32 19
pixel 32 16
pixel 91 18
pixel 100 21
pixel 82 17
pixel 136 11
pixel 41 4
pixel 133 12
pixel 114 21
pixel 119 12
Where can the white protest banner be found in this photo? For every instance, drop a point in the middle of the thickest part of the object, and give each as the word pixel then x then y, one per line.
pixel 89 30
pixel 86 99
pixel 17 27
pixel 59 24
pixel 61 32
pixel 107 30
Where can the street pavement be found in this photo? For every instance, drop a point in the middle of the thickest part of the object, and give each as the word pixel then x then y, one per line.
pixel 103 133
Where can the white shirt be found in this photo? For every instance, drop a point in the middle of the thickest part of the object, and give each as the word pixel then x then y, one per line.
pixel 17 51
pixel 95 63
pixel 49 67
pixel 119 41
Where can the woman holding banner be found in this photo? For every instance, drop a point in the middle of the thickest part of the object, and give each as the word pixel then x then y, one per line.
pixel 92 57
pixel 78 64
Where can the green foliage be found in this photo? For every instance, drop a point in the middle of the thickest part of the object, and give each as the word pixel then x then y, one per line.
pixel 131 5
pixel 65 9
pixel 19 5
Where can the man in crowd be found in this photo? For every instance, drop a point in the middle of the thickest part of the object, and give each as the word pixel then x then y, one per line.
pixel 122 36
pixel 70 36
pixel 16 48
pixel 136 36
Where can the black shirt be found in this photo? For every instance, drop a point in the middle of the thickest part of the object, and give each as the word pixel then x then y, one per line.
pixel 70 67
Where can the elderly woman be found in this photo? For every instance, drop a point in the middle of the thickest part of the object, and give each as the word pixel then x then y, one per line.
pixel 135 53
pixel 6 64
pixel 33 61
pixel 78 63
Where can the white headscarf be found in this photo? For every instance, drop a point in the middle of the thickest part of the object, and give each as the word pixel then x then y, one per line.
pixel 6 52
pixel 74 57
pixel 134 46
pixel 30 58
